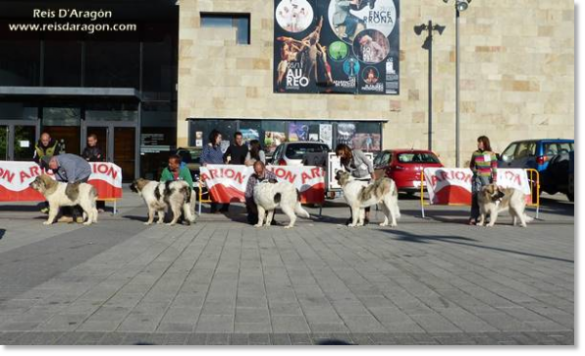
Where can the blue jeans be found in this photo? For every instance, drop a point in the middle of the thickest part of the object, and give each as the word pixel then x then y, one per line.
pixel 477 183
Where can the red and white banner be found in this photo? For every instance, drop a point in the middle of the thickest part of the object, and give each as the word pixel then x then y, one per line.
pixel 15 178
pixel 227 183
pixel 452 186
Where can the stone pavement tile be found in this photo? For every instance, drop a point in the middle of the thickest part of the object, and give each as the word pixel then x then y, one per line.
pixel 252 315
pixel 317 338
pixel 215 324
pixel 135 338
pixel 239 339
pixel 364 324
pixel 329 328
pixel 260 327
pixel 176 339
pixel 197 339
pixel 421 339
pixel 565 338
pixel 362 339
pixel 300 339
pixel 89 338
pixel 69 338
pixel 113 338
pixel 289 308
pixel 289 324
pixel 280 339
pixel 217 339
pixel 179 319
pixel 39 338
pixel 465 320
pixel 7 338
pixel 144 318
pixel 383 339
pixel 482 338
pixel 454 339
pixel 259 339
pixel 434 323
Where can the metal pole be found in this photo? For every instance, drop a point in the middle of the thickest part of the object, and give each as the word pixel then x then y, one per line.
pixel 457 153
pixel 430 85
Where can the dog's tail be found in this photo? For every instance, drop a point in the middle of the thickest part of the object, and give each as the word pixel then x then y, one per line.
pixel 299 210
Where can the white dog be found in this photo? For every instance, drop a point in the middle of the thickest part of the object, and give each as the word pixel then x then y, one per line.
pixel 270 195
pixel 159 196
pixel 360 195
pixel 60 194
pixel 492 200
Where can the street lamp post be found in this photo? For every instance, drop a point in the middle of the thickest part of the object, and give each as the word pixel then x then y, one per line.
pixel 428 45
pixel 460 6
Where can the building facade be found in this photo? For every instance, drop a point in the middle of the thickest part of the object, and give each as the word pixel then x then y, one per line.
pixel 516 77
pixel 176 70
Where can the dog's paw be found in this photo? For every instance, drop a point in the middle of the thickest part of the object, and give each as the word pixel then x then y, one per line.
pixel 480 224
pixel 148 223
pixel 47 223
pixel 87 223
pixel 490 225
pixel 288 226
pixel 159 222
pixel 384 224
pixel 351 225
pixel 170 224
pixel 258 225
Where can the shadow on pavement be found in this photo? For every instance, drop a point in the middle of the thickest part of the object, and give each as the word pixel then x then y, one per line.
pixel 410 237
pixel 2 233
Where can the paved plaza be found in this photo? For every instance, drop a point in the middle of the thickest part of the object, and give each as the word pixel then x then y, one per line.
pixel 428 281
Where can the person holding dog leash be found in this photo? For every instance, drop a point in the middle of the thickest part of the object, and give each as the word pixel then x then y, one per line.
pixel 359 166
pixel 484 165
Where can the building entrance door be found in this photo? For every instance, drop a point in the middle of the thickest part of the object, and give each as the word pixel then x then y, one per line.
pixel 17 139
pixel 117 141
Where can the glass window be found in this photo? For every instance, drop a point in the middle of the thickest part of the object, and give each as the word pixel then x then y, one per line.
pixel 18 111
pixel 62 64
pixel 61 116
pixel 112 64
pixel 526 149
pixel 383 159
pixel 20 63
pixel 417 157
pixel 157 77
pixel 509 153
pixel 241 22
pixel 108 111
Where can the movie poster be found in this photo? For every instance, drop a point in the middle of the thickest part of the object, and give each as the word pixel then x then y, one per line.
pixel 298 132
pixel 336 46
pixel 366 142
pixel 345 133
pixel 273 139
pixel 249 135
pixel 326 134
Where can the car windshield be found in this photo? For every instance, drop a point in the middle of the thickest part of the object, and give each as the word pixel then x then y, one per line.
pixel 298 151
pixel 417 157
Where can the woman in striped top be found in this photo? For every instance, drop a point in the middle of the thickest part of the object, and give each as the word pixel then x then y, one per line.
pixel 484 165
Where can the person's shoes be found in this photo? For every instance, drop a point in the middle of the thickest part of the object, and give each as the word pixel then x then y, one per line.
pixel 366 221
pixel 348 221
pixel 45 210
pixel 471 222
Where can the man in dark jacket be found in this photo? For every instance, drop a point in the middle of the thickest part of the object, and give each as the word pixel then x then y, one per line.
pixel 92 153
pixel 235 154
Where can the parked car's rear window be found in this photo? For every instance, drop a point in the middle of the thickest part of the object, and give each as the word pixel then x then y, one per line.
pixel 417 157
pixel 554 148
pixel 298 151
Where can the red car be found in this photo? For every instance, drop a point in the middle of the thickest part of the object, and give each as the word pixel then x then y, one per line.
pixel 405 166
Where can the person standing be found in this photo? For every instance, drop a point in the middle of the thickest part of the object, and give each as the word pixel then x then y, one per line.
pixel 235 154
pixel 255 154
pixel 92 153
pixel 212 155
pixel 358 165
pixel 484 165
pixel 46 146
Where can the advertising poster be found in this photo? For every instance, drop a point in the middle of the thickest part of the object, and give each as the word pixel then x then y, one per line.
pixel 298 132
pixel 366 142
pixel 199 139
pixel 337 46
pixel 250 134
pixel 345 134
pixel 314 137
pixel 273 139
pixel 326 134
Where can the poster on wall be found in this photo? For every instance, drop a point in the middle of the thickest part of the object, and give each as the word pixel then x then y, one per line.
pixel 326 134
pixel 273 139
pixel 298 132
pixel 345 133
pixel 366 142
pixel 337 46
pixel 249 135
